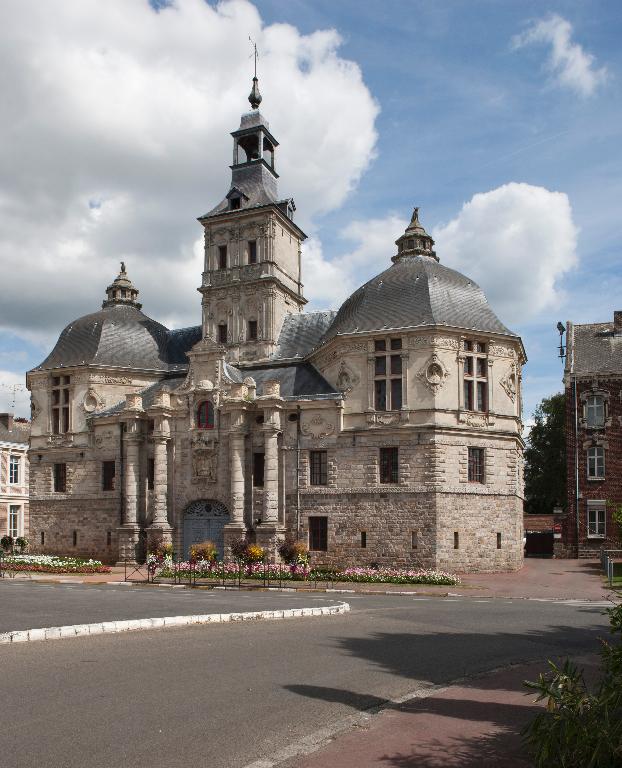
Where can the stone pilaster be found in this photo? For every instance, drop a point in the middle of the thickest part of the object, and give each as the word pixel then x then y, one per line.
pixel 271 476
pixel 236 528
pixel 160 528
pixel 129 532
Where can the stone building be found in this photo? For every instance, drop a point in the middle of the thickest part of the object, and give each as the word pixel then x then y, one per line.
pixel 388 432
pixel 593 387
pixel 14 515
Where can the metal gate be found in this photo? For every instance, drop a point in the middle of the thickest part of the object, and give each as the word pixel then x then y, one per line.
pixel 205 521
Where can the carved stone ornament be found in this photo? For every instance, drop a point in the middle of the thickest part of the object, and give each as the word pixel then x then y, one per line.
pixel 434 341
pixel 508 382
pixel 92 401
pixel 204 465
pixel 498 350
pixel 317 427
pixel 477 420
pixel 97 379
pixel 434 374
pixel 347 379
pixel 103 438
pixel 386 419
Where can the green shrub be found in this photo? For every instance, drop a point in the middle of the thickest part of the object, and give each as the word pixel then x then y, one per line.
pixel 579 728
pixel 6 542
pixel 294 552
pixel 205 550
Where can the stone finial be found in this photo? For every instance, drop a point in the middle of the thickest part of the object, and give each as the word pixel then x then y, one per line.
pixel 134 401
pixel 272 388
pixel 162 399
pixel 415 241
pixel 121 291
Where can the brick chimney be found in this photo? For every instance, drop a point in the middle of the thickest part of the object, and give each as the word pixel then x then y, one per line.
pixel 617 321
pixel 6 420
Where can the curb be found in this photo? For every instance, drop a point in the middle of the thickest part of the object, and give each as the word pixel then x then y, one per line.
pixel 131 625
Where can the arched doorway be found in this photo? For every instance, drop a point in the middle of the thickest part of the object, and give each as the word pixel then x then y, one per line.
pixel 204 520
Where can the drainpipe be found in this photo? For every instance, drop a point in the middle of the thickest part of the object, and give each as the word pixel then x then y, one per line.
pixel 121 473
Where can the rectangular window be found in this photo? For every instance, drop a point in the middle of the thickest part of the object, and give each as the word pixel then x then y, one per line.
pixel 596 462
pixel 481 395
pixel 108 538
pixel 498 541
pixel 60 404
pixel 258 469
pixel 318 534
pixel 150 474
pixel 108 473
pixel 318 468
pixel 468 395
pixel 595 411
pixel 363 539
pixel 252 252
pixel 476 465
pixel 75 538
pixel 456 540
pixel 413 540
pixel 482 365
pixel 380 395
pixel 596 522
pixel 60 478
pixel 387 375
pixel 222 257
pixel 252 330
pixel 42 539
pixel 14 470
pixel 389 465
pixel 14 520
pixel 468 366
pixel 222 333
pixel 396 394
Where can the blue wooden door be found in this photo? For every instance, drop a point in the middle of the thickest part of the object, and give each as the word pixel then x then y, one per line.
pixel 205 521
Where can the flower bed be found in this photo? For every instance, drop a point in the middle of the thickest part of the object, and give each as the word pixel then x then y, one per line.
pixel 204 569
pixel 52 564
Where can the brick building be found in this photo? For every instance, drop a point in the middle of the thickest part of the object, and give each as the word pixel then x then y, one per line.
pixel 13 476
pixel 593 386
pixel 387 432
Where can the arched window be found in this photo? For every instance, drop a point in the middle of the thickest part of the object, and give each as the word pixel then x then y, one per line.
pixel 205 415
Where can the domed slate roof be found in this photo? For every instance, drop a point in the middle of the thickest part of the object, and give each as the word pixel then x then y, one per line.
pixel 121 336
pixel 117 336
pixel 416 291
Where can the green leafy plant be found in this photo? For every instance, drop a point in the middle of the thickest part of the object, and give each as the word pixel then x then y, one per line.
pixel 294 552
pixel 21 542
pixel 205 550
pixel 580 728
pixel 239 549
pixel 616 516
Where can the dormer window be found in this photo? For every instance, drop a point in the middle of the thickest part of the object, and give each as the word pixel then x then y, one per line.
pixel 205 415
pixel 234 203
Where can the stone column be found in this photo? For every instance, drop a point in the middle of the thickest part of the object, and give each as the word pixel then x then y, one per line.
pixel 236 454
pixel 271 477
pixel 236 528
pixel 129 531
pixel 160 480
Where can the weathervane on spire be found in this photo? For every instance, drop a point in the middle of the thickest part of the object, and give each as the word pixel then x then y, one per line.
pixel 254 96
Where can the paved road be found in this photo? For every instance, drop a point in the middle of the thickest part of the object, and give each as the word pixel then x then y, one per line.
pixel 28 605
pixel 228 695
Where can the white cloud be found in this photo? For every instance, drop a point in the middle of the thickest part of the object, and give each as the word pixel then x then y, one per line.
pixel 516 241
pixel 329 281
pixel 115 137
pixel 569 64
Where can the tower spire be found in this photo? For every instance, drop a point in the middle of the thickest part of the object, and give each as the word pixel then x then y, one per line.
pixel 415 241
pixel 255 97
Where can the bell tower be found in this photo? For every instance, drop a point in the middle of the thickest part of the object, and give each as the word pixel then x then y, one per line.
pixel 252 271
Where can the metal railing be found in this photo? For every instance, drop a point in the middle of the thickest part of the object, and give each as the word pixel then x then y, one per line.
pixel 609 558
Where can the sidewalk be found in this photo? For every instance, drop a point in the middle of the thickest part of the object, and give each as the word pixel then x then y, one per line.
pixel 476 724
pixel 538 579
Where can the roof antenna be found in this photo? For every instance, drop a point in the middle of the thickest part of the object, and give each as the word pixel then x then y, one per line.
pixel 254 96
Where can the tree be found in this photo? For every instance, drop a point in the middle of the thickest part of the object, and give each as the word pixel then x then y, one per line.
pixel 545 458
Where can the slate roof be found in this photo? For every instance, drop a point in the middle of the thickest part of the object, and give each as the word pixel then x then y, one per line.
pixel 20 434
pixel 297 381
pixel 416 291
pixel 597 349
pixel 301 333
pixel 121 336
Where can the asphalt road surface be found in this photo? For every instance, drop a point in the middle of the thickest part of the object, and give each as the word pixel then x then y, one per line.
pixel 28 605
pixel 227 696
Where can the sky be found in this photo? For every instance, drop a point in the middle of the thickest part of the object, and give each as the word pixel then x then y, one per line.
pixel 500 120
